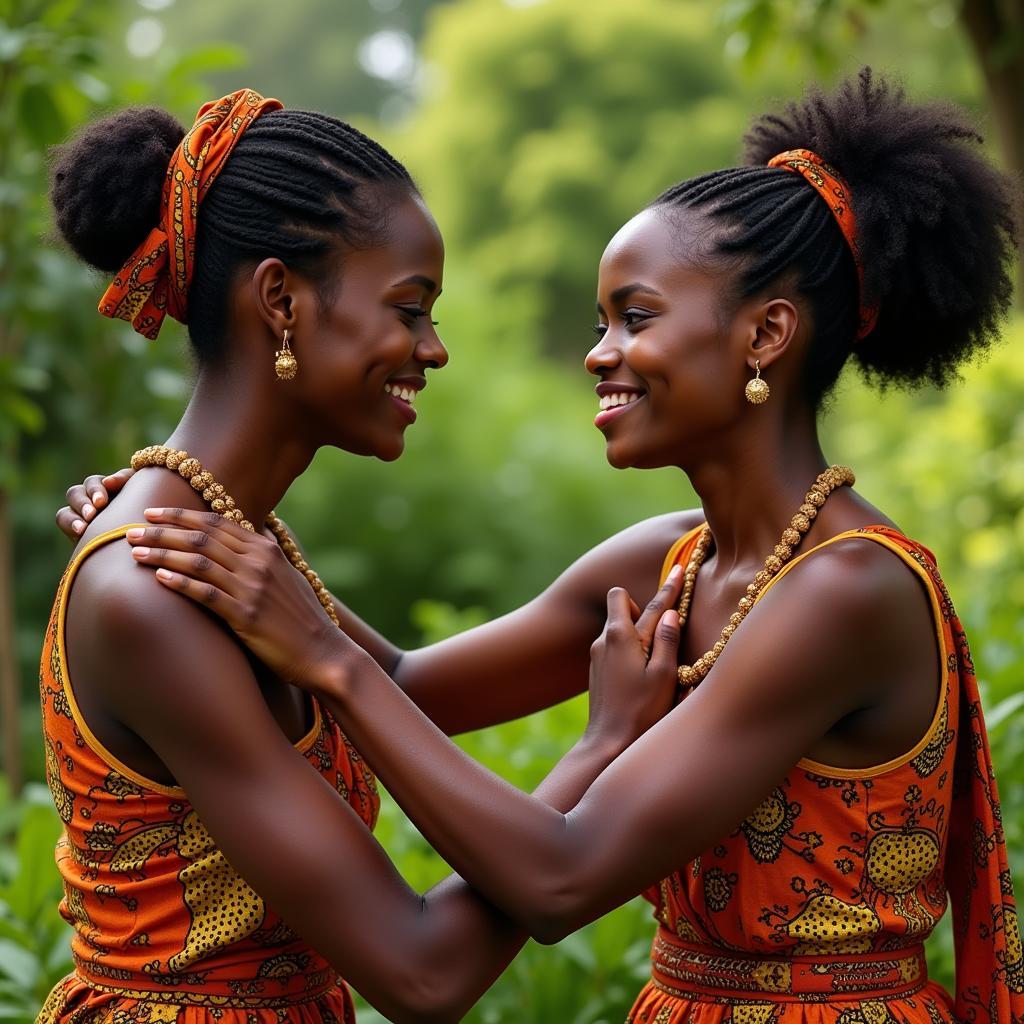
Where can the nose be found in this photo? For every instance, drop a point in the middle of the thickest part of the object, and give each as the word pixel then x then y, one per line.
pixel 603 356
pixel 430 350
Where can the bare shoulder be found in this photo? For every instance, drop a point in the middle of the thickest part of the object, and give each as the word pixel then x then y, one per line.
pixel 854 602
pixel 633 557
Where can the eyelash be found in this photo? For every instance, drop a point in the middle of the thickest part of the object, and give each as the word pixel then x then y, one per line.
pixel 630 319
pixel 416 313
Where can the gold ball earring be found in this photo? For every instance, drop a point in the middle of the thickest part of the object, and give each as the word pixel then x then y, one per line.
pixel 757 390
pixel 285 364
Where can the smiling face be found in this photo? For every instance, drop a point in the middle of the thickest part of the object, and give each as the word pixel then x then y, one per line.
pixel 672 363
pixel 363 359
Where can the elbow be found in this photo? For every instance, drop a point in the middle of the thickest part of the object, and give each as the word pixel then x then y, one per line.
pixel 555 912
pixel 429 996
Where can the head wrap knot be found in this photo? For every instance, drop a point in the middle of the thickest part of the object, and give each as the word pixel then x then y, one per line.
pixel 834 190
pixel 154 280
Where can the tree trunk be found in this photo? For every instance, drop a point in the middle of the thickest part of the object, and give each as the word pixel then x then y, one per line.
pixel 10 685
pixel 996 31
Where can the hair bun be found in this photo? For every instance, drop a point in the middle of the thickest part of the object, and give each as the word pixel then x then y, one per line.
pixel 107 181
pixel 935 224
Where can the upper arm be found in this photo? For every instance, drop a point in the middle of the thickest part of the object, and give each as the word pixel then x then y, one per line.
pixel 184 685
pixel 539 654
pixel 798 665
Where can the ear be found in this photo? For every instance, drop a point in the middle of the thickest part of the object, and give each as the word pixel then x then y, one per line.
pixel 272 288
pixel 772 327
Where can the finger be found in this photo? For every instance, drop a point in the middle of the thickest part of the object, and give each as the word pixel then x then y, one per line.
pixel 665 652
pixel 227 532
pixel 200 568
pixel 618 610
pixel 204 594
pixel 666 597
pixel 634 610
pixel 69 523
pixel 97 492
pixel 196 542
pixel 116 481
pixel 80 503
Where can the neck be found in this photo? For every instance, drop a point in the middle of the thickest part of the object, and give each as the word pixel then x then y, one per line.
pixel 751 486
pixel 249 445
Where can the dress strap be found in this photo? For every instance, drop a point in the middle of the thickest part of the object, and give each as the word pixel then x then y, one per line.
pixel 680 551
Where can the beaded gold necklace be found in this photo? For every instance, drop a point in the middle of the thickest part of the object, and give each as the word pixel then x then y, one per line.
pixel 823 486
pixel 220 501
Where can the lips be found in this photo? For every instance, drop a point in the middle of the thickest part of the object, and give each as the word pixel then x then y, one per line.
pixel 615 398
pixel 402 393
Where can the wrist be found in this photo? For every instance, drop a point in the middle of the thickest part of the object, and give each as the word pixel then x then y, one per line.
pixel 604 745
pixel 329 673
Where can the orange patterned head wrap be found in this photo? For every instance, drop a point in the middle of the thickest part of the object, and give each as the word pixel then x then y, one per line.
pixel 154 281
pixel 836 193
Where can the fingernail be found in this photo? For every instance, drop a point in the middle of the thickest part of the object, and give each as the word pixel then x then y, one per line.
pixel 670 618
pixel 78 526
pixel 136 533
pixel 165 574
pixel 154 512
pixel 88 511
pixel 97 498
pixel 675 572
pixel 140 552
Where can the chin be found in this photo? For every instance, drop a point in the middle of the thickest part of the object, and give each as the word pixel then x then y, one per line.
pixel 390 450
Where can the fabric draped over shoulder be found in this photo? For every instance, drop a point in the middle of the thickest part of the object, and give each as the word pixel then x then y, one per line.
pixel 164 929
pixel 154 280
pixel 814 910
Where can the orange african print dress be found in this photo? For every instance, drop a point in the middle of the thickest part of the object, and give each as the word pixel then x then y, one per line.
pixel 164 929
pixel 815 909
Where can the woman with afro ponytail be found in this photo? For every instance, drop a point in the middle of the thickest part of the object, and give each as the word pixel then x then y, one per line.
pixel 818 789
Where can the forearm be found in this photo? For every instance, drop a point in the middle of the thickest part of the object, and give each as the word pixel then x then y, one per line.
pixel 519 852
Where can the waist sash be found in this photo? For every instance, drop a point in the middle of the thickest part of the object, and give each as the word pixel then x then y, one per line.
pixel 691 971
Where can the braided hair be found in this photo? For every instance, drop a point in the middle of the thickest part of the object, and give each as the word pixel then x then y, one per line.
pixel 298 186
pixel 935 224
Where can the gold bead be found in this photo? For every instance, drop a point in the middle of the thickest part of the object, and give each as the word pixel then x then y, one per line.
pixel 762 577
pixel 752 589
pixel 218 490
pixel 728 630
pixel 718 648
pixel 735 619
pixel 687 676
pixel 773 563
pixel 791 536
pixel 783 551
pixel 246 525
pixel 218 505
pixel 208 495
pixel 815 498
pixel 746 603
pixel 809 510
pixel 202 480
pixel 229 502
pixel 757 391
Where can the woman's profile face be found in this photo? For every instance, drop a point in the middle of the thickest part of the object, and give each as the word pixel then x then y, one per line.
pixel 362 360
pixel 670 379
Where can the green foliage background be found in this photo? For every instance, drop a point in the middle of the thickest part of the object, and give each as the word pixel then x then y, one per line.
pixel 534 129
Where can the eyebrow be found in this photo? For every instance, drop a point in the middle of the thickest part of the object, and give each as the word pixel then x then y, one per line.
pixel 622 293
pixel 421 280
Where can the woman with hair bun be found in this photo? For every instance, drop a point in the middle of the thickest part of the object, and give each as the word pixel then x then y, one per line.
pixel 217 857
pixel 822 786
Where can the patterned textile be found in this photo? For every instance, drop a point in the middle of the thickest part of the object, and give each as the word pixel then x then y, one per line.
pixel 154 281
pixel 164 929
pixel 833 189
pixel 814 909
